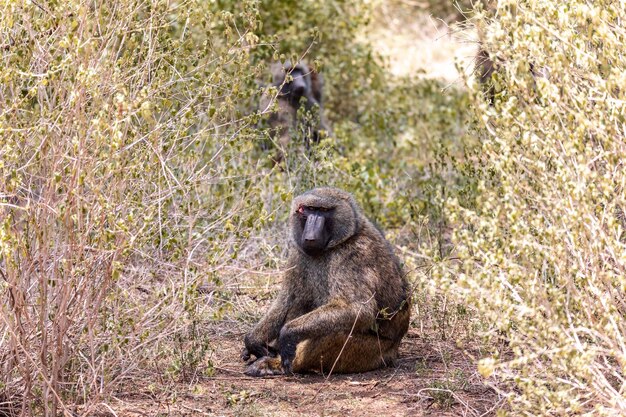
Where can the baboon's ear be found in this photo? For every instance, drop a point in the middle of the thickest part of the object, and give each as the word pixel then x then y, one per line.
pixel 317 85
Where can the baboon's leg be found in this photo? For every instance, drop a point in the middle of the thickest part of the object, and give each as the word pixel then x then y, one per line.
pixel 362 352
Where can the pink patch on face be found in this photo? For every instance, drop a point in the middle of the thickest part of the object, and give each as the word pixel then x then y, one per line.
pixel 301 209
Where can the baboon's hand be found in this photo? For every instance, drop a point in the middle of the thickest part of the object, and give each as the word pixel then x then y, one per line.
pixel 287 342
pixel 253 348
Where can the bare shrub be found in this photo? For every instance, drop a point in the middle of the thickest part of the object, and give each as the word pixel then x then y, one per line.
pixel 123 145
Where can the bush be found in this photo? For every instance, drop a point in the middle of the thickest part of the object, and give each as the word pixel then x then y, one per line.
pixel 132 179
pixel 125 139
pixel 543 248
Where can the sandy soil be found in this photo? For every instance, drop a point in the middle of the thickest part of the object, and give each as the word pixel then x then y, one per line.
pixel 429 379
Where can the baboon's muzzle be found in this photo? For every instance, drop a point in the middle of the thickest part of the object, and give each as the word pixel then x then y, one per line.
pixel 314 234
pixel 298 87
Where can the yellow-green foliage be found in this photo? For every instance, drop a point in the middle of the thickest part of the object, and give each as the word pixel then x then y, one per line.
pixel 131 174
pixel 544 247
pixel 132 182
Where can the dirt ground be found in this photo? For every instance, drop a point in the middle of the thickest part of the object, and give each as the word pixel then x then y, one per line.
pixel 429 379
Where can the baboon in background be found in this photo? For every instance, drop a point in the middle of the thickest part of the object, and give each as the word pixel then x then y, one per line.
pixel 297 86
pixel 344 304
pixel 485 67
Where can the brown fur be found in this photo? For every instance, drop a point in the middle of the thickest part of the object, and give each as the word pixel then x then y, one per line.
pixel 346 309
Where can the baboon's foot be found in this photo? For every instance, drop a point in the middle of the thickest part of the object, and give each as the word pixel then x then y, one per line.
pixel 265 366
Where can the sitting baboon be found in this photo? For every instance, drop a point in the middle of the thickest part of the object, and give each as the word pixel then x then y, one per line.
pixel 298 87
pixel 344 303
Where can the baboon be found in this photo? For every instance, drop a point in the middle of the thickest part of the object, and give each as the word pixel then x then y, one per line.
pixel 485 67
pixel 298 86
pixel 344 303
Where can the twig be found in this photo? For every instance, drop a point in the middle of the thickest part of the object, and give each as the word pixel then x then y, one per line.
pixel 349 335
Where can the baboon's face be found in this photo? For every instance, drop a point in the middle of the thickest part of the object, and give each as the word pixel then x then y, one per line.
pixel 322 219
pixel 315 225
pixel 296 86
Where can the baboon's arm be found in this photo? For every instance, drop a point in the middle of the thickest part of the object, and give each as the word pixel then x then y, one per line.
pixel 267 330
pixel 335 317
